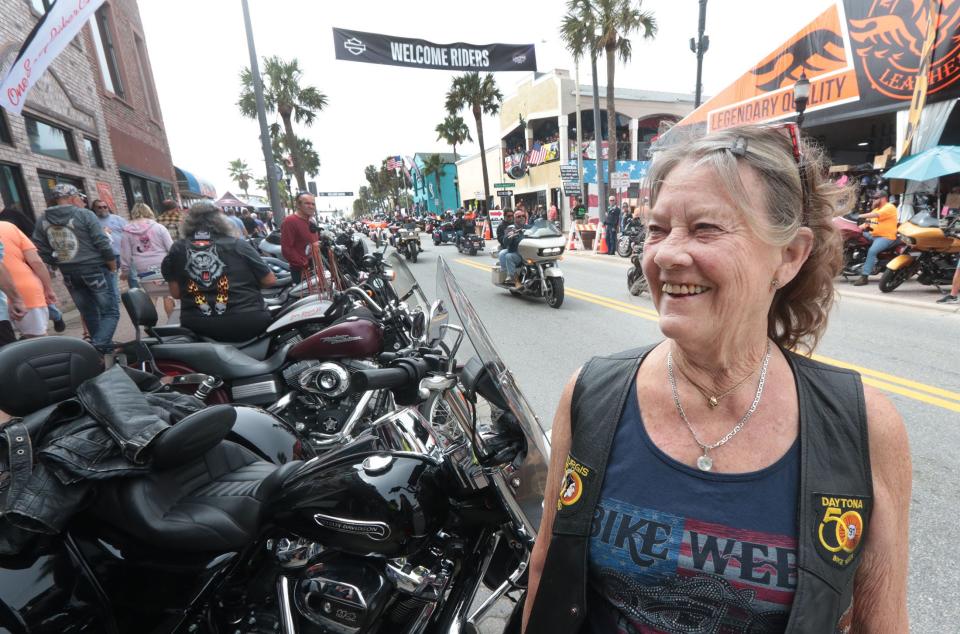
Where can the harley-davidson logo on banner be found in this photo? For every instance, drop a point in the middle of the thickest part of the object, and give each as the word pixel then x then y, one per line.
pixel 858 55
pixel 375 48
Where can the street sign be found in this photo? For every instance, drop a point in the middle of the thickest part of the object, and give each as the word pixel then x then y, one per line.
pixel 620 180
pixel 318 194
pixel 503 185
pixel 312 187
pixel 572 189
pixel 505 193
pixel 569 171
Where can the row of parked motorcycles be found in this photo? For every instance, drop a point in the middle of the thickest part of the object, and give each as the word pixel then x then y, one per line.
pixel 366 464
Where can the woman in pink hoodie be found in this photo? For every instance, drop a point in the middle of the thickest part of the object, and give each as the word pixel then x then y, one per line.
pixel 145 243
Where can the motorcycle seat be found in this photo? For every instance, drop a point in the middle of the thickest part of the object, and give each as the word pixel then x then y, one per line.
pixel 211 503
pixel 219 359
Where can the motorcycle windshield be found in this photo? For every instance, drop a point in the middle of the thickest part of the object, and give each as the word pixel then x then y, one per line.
pixel 532 472
pixel 542 228
pixel 406 285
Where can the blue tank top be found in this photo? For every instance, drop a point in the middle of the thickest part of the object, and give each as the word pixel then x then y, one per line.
pixel 678 551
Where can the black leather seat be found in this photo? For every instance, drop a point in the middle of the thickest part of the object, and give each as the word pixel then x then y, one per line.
pixel 203 494
pixel 219 359
pixel 211 503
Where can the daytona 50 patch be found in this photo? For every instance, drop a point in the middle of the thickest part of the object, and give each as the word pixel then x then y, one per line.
pixel 840 527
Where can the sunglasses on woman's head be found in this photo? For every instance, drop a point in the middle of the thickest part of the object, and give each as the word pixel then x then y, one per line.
pixel 790 131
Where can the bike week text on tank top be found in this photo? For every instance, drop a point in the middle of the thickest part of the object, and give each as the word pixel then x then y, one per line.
pixel 679 551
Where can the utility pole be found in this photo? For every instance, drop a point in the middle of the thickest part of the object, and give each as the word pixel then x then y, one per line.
pixel 579 132
pixel 700 46
pixel 598 142
pixel 274 189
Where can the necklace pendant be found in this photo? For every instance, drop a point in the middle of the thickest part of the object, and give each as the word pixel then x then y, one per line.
pixel 705 463
pixel 713 402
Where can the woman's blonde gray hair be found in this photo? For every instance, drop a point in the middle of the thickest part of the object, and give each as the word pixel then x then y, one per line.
pixel 142 210
pixel 798 315
pixel 204 216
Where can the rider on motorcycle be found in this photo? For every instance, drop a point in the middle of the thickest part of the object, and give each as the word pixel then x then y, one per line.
pixel 882 231
pixel 509 258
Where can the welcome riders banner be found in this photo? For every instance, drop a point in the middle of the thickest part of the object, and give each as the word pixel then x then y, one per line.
pixel 51 35
pixel 375 48
pixel 859 55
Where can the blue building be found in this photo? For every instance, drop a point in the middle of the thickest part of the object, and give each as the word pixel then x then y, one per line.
pixel 426 195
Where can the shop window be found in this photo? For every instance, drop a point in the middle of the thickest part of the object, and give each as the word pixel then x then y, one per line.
pixel 50 140
pixel 92 146
pixel 5 130
pixel 150 95
pixel 12 190
pixel 106 52
pixel 134 188
pixel 49 180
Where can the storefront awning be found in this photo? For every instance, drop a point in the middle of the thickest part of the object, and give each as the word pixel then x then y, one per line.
pixel 192 186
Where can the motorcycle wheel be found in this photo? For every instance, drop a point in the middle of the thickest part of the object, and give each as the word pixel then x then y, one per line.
pixel 623 247
pixel 413 255
pixel 473 251
pixel 892 279
pixel 555 298
pixel 436 242
pixel 636 282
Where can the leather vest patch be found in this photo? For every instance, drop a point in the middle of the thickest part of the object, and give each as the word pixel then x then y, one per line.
pixel 840 527
pixel 576 476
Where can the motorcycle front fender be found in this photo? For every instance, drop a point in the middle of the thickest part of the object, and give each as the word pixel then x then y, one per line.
pixel 552 271
pixel 902 261
pixel 268 436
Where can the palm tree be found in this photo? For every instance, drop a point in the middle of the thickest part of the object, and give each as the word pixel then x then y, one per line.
pixel 285 94
pixel 433 164
pixel 240 173
pixel 481 96
pixel 616 20
pixel 454 131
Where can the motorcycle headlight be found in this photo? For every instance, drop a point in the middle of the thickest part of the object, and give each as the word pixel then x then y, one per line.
pixel 550 251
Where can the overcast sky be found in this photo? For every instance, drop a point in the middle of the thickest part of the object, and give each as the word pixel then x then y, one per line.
pixel 197 49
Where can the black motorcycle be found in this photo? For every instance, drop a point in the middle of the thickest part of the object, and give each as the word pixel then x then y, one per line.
pixel 470 243
pixel 628 238
pixel 231 524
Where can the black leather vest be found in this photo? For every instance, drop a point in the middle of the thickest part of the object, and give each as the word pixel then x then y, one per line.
pixel 836 492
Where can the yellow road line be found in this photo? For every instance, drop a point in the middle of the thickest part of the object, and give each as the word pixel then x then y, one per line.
pixel 889 378
pixel 930 394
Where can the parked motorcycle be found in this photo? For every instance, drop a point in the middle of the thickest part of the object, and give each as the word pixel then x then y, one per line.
pixel 856 245
pixel 408 241
pixel 628 238
pixel 444 233
pixel 395 531
pixel 540 251
pixel 470 243
pixel 636 281
pixel 932 249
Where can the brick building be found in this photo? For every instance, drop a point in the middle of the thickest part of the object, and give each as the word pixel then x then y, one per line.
pixel 117 50
pixel 63 134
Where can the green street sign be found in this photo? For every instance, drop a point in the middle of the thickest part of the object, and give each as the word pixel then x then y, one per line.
pixel 503 185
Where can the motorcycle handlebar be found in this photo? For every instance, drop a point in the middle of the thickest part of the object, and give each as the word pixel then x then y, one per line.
pixel 404 373
pixel 358 292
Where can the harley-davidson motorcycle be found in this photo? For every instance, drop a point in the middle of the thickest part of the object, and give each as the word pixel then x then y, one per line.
pixel 245 532
pixel 540 251
pixel 408 241
pixel 636 281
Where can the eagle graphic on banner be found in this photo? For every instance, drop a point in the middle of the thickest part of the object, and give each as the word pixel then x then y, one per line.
pixel 890 36
pixel 804 54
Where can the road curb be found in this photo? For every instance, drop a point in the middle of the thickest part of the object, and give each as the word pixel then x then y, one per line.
pixel 887 299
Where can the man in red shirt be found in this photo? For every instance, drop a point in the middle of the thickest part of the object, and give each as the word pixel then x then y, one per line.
pixel 297 231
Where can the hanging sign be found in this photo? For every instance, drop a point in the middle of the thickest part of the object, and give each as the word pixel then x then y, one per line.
pixel 376 48
pixel 53 32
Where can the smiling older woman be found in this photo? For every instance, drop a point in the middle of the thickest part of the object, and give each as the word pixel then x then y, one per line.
pixel 719 481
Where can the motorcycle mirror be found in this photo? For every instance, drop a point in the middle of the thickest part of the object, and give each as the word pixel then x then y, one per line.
pixel 436 323
pixel 418 325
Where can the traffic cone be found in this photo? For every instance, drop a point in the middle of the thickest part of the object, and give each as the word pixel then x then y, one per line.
pixel 487 234
pixel 602 240
pixel 573 239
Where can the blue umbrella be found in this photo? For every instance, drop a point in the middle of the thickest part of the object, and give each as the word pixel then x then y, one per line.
pixel 932 163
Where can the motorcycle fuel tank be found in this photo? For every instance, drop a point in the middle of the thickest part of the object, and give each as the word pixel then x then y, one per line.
pixel 383 504
pixel 353 337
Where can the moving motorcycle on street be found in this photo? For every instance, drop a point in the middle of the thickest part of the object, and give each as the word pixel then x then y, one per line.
pixel 408 241
pixel 856 245
pixel 393 531
pixel 931 252
pixel 470 243
pixel 540 250
pixel 444 233
pixel 629 237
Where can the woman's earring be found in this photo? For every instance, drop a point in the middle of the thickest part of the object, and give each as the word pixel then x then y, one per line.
pixel 775 283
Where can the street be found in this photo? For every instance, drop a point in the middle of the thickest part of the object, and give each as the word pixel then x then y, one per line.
pixel 907 351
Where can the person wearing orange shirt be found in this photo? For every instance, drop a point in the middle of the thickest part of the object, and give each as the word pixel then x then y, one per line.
pixel 882 229
pixel 31 278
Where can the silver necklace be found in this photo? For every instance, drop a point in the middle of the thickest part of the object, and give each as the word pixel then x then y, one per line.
pixel 705 462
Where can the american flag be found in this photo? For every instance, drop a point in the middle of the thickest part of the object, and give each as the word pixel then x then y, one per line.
pixel 537 154
pixel 394 163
